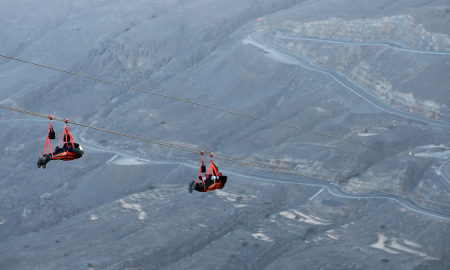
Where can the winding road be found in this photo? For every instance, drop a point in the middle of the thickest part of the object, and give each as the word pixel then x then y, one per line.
pixel 332 188
pixel 261 40
pixel 381 43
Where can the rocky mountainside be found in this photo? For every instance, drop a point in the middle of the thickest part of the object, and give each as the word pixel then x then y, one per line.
pixel 372 72
pixel 400 40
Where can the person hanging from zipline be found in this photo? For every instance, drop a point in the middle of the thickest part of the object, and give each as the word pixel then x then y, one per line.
pixel 211 181
pixel 69 151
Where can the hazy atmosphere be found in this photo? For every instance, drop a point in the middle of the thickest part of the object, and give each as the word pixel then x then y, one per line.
pixel 355 98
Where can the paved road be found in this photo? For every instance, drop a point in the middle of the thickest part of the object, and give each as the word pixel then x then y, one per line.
pixel 391 45
pixel 261 39
pixel 332 188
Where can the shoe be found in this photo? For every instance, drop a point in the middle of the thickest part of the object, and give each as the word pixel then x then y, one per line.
pixel 42 161
pixel 192 186
pixel 39 162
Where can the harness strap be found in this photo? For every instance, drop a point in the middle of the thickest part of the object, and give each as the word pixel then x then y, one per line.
pixel 212 168
pixel 215 170
pixel 47 141
pixel 200 173
pixel 66 134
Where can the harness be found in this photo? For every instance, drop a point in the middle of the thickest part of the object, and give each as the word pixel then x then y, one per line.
pixel 68 139
pixel 65 156
pixel 212 171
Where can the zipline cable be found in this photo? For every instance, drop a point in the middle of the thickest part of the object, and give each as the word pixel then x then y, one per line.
pixel 228 157
pixel 219 109
pixel 243 161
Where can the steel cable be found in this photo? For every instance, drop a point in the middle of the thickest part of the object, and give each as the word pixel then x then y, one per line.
pixel 222 110
pixel 249 162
